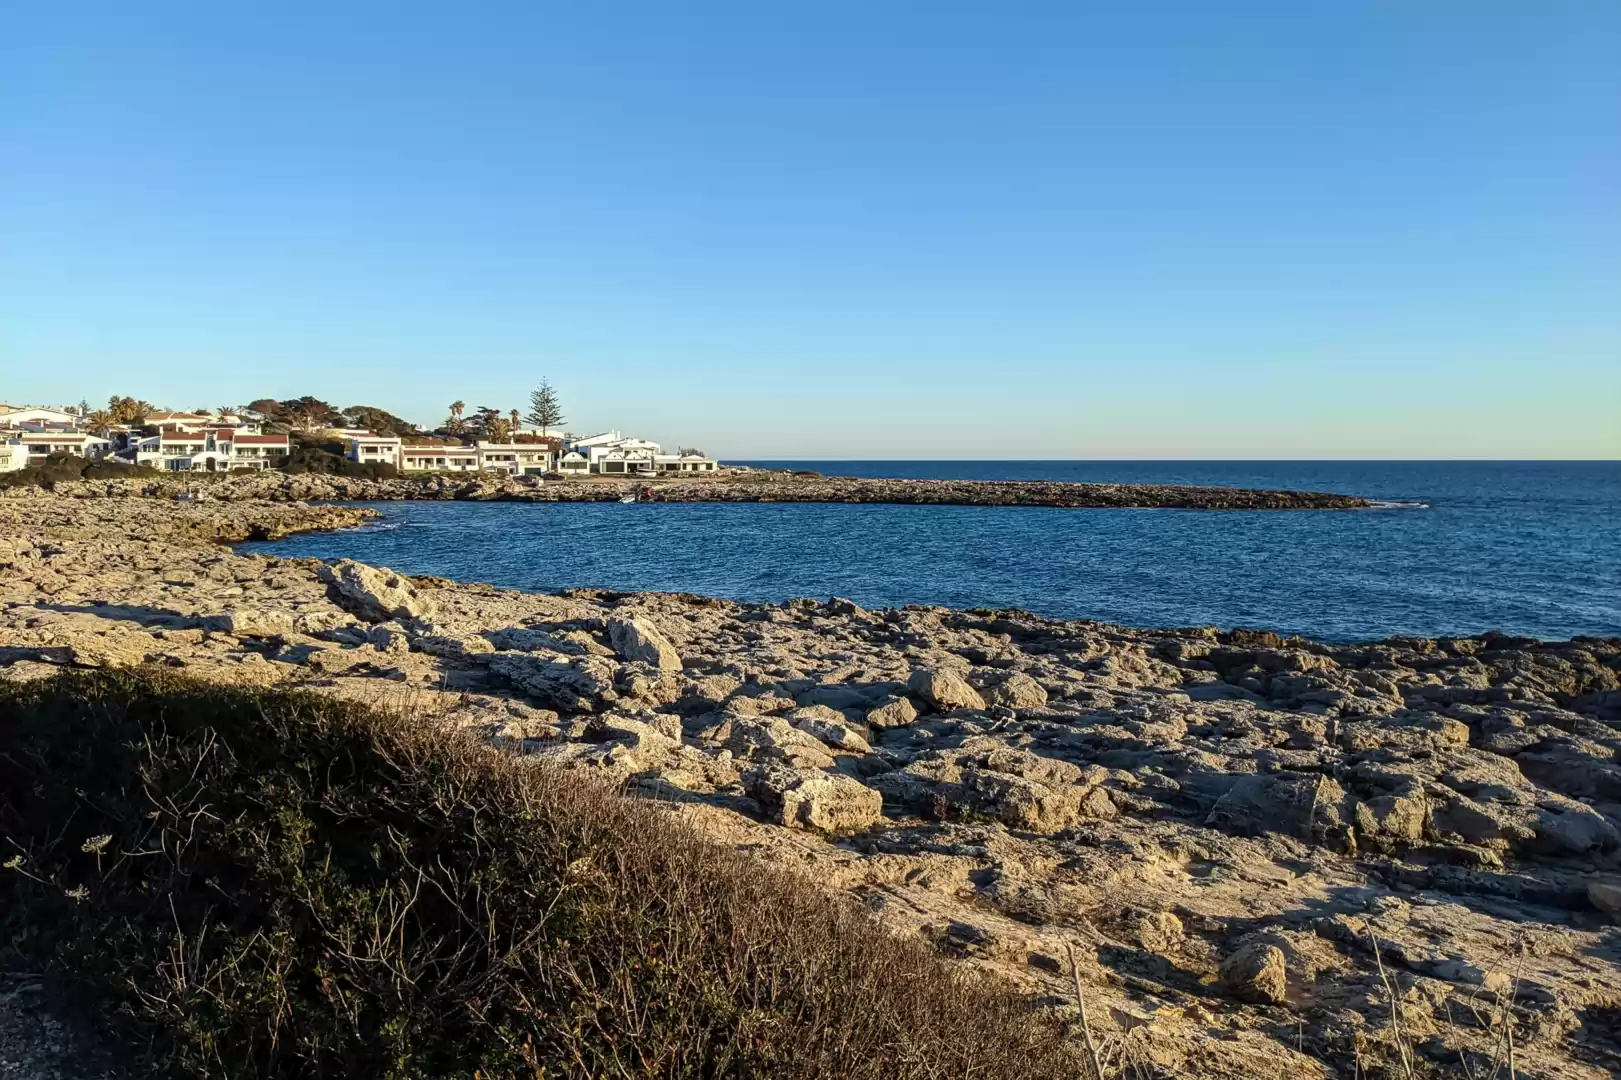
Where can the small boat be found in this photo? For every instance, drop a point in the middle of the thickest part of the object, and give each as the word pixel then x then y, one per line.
pixel 628 499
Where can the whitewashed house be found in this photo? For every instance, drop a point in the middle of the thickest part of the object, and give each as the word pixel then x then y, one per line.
pixel 438 457
pixel 373 449
pixel 688 461
pixel 530 458
pixel 41 444
pixel 612 454
pixel 218 449
pixel 36 417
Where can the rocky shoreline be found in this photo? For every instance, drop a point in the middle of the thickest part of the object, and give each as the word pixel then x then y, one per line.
pixel 1251 843
pixel 727 486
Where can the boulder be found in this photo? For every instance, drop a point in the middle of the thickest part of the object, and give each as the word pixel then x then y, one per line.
pixel 375 594
pixel 110 651
pixel 771 738
pixel 1017 691
pixel 583 685
pixel 1309 806
pixel 635 640
pixel 894 713
pixel 830 726
pixel 252 622
pixel 1159 932
pixel 1257 973
pixel 944 689
pixel 1606 896
pixel 810 799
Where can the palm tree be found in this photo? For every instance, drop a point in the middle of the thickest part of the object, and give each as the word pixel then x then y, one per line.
pixel 456 410
pixel 517 421
pixel 98 421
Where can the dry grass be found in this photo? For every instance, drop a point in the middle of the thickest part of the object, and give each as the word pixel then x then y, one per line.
pixel 275 884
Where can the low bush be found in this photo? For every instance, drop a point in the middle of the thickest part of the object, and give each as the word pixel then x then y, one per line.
pixel 276 884
pixel 60 468
pixel 309 458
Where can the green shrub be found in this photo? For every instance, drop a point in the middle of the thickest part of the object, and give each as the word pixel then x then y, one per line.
pixel 275 884
pixel 311 458
pixel 58 468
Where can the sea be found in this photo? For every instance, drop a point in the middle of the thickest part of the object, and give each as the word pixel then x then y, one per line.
pixel 1454 548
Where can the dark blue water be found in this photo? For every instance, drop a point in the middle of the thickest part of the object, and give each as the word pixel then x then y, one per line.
pixel 1525 547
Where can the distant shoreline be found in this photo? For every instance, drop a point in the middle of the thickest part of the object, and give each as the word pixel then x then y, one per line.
pixel 755 486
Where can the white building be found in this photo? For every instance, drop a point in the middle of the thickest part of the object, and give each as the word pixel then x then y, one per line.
pixel 688 462
pixel 13 456
pixel 370 449
pixel 218 449
pixel 17 417
pixel 39 445
pixel 518 458
pixel 438 457
pixel 612 454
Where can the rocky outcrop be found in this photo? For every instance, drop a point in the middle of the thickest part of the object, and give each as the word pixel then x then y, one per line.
pixel 810 799
pixel 944 689
pixel 373 594
pixel 1259 973
pixel 636 639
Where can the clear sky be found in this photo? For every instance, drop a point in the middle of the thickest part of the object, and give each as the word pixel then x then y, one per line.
pixel 835 228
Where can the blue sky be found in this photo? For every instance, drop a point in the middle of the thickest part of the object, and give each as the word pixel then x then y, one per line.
pixel 835 228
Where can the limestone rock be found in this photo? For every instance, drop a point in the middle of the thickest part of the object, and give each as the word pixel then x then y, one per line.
pixel 375 594
pixel 110 651
pixel 452 646
pixel 1606 896
pixel 1305 805
pixel 830 726
pixel 809 799
pixel 1257 973
pixel 1159 932
pixel 577 686
pixel 636 640
pixel 894 713
pixel 771 738
pixel 1017 691
pixel 252 622
pixel 944 689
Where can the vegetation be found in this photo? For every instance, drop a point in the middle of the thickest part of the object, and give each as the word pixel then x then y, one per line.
pixel 128 410
pixel 379 420
pixel 243 883
pixel 488 423
pixel 57 468
pixel 454 423
pixel 544 411
pixel 327 457
pixel 303 414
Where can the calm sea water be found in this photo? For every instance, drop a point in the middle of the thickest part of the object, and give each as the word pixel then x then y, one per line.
pixel 1528 548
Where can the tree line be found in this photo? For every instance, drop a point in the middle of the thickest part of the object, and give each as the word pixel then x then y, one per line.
pixel 308 414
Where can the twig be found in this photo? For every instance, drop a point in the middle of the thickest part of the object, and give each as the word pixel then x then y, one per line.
pixel 1086 1027
pixel 1395 1010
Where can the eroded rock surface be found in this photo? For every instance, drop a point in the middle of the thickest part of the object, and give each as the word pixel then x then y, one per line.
pixel 1234 831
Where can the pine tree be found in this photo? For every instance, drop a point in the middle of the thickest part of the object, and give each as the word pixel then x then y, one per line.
pixel 544 411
